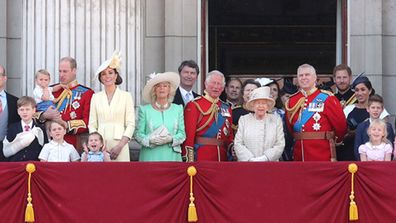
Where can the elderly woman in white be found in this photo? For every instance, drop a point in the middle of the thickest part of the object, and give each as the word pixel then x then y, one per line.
pixel 260 134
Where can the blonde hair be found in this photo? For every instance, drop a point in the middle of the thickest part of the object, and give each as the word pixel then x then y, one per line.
pixel 381 123
pixel 171 95
pixel 57 121
pixel 42 71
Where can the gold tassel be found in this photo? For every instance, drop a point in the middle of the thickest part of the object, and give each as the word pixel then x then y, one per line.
pixel 29 212
pixel 353 209
pixel 192 211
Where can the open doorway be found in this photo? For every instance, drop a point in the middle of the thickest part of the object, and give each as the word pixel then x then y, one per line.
pixel 255 38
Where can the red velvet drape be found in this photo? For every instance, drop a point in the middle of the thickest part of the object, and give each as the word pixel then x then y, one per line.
pixel 224 192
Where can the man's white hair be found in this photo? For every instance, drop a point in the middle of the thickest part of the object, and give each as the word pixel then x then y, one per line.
pixel 214 73
pixel 308 66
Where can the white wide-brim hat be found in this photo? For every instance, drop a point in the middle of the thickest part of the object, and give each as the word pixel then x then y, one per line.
pixel 261 93
pixel 114 62
pixel 156 78
pixel 264 81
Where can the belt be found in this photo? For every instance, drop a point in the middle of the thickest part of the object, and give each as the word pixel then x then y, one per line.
pixel 314 135
pixel 209 141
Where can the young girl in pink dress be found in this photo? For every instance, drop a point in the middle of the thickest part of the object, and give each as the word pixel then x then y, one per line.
pixel 378 148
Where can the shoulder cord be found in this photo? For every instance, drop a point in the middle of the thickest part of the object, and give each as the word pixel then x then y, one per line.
pixel 295 108
pixel 212 111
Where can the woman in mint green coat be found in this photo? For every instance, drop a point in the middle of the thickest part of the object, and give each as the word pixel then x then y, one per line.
pixel 160 127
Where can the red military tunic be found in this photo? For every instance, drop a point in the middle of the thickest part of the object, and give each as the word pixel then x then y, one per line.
pixel 327 117
pixel 207 122
pixel 74 105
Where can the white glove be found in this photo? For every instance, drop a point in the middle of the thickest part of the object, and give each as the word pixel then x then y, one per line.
pixel 21 141
pixel 39 134
pixel 160 140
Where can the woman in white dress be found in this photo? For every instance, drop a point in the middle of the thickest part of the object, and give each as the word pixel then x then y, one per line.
pixel 260 134
pixel 112 112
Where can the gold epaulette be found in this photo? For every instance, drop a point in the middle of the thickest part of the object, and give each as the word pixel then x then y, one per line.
pixel 238 106
pixel 74 125
pixel 197 98
pixel 327 92
pixel 352 100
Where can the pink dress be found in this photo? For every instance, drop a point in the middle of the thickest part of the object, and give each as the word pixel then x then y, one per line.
pixel 375 153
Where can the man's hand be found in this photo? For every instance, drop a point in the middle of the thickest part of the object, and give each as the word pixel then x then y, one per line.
pixel 51 114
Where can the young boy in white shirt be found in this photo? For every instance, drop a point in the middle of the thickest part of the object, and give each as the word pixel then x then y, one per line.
pixel 58 150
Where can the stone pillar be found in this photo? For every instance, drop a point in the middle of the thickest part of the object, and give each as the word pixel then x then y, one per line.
pixel 366 40
pixel 389 54
pixel 10 43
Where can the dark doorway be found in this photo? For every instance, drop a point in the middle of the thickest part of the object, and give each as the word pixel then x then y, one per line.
pixel 271 37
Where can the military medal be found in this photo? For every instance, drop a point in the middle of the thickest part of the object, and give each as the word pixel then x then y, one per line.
pixel 78 96
pixel 225 113
pixel 73 115
pixel 316 126
pixel 76 105
pixel 225 130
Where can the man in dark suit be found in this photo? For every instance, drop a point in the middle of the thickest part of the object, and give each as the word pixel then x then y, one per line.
pixel 8 110
pixel 188 71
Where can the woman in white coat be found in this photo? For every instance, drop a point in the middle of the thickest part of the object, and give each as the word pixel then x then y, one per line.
pixel 112 111
pixel 260 135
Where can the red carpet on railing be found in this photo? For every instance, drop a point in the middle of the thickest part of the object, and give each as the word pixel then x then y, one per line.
pixel 223 192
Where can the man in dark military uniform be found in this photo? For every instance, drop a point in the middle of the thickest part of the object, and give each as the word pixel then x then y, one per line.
pixel 342 78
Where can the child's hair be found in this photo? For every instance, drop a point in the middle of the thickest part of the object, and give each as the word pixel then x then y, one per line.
pixel 382 123
pixel 26 101
pixel 98 134
pixel 42 71
pixel 375 98
pixel 59 122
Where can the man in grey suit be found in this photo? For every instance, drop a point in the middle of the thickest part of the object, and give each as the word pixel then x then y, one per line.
pixel 8 110
pixel 188 71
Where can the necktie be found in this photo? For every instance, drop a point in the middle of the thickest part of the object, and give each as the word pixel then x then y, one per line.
pixel 1 106
pixel 188 97
pixel 27 128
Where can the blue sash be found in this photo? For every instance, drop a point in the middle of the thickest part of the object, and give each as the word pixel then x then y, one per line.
pixel 78 91
pixel 212 131
pixel 306 114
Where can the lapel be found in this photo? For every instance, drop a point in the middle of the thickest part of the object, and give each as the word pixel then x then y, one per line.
pixel 115 101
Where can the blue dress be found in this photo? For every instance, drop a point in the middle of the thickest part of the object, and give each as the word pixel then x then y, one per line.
pixel 150 119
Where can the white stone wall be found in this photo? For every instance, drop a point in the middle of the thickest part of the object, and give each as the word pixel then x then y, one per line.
pixel 373 45
pixel 89 31
pixel 170 34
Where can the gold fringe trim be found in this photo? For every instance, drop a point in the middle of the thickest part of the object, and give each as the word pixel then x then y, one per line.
pixel 192 211
pixel 29 212
pixel 213 110
pixel 295 108
pixel 353 209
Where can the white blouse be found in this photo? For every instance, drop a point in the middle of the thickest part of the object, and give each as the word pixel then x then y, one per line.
pixel 259 140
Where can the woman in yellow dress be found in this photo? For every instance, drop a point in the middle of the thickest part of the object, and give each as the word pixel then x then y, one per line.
pixel 112 111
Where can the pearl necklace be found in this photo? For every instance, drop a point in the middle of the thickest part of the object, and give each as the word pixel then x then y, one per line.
pixel 162 107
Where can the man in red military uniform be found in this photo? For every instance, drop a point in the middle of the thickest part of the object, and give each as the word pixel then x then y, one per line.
pixel 208 123
pixel 72 102
pixel 315 118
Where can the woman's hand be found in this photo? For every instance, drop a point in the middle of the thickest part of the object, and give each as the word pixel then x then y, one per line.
pixel 115 151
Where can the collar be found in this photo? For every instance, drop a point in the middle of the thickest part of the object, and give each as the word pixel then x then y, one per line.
pixel 2 93
pixel 72 84
pixel 345 92
pixel 213 100
pixel 309 92
pixel 30 124
pixel 184 92
pixel 95 153
pixel 52 142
